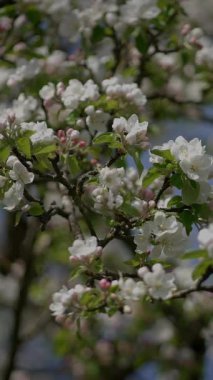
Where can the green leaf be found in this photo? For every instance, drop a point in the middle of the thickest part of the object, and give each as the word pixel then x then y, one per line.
pixel 34 15
pixel 17 218
pixel 190 191
pixel 201 269
pixel 176 181
pixel 203 211
pixel 108 138
pixel 137 158
pixel 151 175
pixel 36 209
pixel 72 117
pixel 41 149
pixel 175 201
pixel 73 165
pixel 142 43
pixel 23 145
pixel 163 153
pixel 5 150
pixel 104 138
pixel 98 33
pixel 128 209
pixel 197 254
pixel 187 218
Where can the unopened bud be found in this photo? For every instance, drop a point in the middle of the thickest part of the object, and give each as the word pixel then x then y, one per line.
pixel 89 110
pixel 104 284
pixel 127 309
pixel 80 123
pixel 60 88
pixel 185 29
pixel 93 161
pixel 60 133
pixel 152 204
pixel 142 271
pixel 82 144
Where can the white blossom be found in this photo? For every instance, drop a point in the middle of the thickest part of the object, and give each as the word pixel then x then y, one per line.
pixel 41 133
pixel 47 92
pixel 112 178
pixel 134 132
pixel 25 70
pixel 105 198
pixel 134 10
pixel 163 235
pixel 84 250
pixel 18 171
pixel 13 196
pixel 142 239
pixel 131 289
pixel 97 120
pixel 77 92
pixel 66 299
pixel 160 285
pixel 205 239
pixel 3 180
pixel 129 91
pixel 193 160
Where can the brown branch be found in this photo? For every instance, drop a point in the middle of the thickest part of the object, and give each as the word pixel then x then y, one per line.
pixel 21 301
pixel 165 186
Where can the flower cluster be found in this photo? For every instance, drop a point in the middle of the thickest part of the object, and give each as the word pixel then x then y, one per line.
pixel 164 235
pixel 66 302
pixel 84 251
pixel 73 141
pixel 133 132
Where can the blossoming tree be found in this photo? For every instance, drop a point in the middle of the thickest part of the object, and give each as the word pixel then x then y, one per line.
pixel 84 84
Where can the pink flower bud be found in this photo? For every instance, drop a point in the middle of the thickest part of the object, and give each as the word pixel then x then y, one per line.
pixel 69 131
pixel 63 140
pixel 185 29
pixel 152 204
pixel 93 161
pixel 48 103
pixel 99 250
pixel 60 88
pixel 11 117
pixel 74 259
pixel 19 47
pixel 104 284
pixel 82 144
pixel 74 135
pixel 147 194
pixel 61 134
pixel 60 318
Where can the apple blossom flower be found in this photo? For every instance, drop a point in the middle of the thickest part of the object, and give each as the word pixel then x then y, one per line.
pixel 205 239
pixel 41 133
pixel 105 198
pixel 84 250
pixel 131 289
pixel 47 92
pixel 162 235
pixel 112 178
pixel 160 285
pixel 13 196
pixel 18 171
pixel 193 160
pixel 97 120
pixel 65 300
pixel 134 132
pixel 77 92
pixel 128 91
